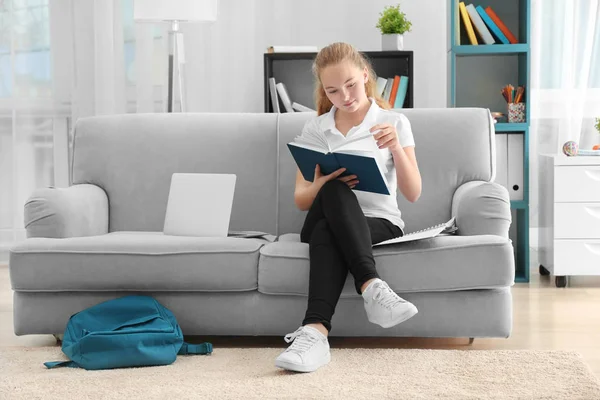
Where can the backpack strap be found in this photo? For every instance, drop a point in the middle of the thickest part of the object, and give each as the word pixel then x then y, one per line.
pixel 188 348
pixel 56 364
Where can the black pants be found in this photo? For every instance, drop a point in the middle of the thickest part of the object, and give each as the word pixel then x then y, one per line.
pixel 340 239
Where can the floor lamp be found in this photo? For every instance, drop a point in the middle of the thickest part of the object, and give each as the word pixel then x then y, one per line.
pixel 175 12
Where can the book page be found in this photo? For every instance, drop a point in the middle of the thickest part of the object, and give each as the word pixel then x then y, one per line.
pixel 433 231
pixel 366 145
pixel 309 146
pixel 313 139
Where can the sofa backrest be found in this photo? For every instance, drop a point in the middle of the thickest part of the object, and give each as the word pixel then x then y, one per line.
pixel 452 145
pixel 133 156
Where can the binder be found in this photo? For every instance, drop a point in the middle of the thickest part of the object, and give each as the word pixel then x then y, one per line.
pixel 502 159
pixel 515 166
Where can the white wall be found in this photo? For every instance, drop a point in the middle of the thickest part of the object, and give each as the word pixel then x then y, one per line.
pixel 225 59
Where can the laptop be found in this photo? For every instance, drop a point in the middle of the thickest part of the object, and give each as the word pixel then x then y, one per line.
pixel 199 205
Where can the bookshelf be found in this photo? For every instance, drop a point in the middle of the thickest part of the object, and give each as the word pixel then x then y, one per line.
pixel 477 74
pixel 295 71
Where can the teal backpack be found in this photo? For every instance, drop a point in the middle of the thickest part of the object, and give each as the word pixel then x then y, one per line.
pixel 131 331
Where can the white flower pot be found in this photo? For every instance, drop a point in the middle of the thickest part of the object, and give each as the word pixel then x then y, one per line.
pixel 392 42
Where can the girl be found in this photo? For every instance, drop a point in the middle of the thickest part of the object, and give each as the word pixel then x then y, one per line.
pixel 342 224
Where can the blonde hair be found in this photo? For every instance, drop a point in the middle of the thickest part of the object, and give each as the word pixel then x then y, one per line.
pixel 334 54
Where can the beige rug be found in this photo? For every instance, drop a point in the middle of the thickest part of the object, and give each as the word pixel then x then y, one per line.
pixel 249 373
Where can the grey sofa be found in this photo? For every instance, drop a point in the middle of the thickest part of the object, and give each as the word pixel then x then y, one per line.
pixel 102 238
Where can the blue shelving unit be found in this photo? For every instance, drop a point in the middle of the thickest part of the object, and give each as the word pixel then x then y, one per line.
pixel 478 72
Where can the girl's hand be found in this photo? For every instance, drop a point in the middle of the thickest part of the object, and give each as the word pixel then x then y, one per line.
pixel 320 179
pixel 386 137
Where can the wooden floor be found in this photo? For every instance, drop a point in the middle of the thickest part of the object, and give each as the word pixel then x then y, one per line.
pixel 545 317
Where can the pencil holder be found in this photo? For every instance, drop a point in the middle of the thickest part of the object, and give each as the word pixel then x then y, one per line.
pixel 516 112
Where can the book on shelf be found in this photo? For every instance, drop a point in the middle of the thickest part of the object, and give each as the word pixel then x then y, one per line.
pixel 360 155
pixel 479 25
pixel 467 23
pixel 394 91
pixel 273 93
pixel 292 49
pixel 285 97
pixel 509 35
pixel 491 25
pixel 388 89
pixel 278 91
pixel 381 83
pixel 401 94
pixel 301 108
pixel 445 228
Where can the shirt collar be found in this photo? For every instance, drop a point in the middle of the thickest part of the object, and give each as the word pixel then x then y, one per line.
pixel 328 122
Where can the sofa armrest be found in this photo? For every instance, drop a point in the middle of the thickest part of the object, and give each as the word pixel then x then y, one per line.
pixel 482 208
pixel 79 210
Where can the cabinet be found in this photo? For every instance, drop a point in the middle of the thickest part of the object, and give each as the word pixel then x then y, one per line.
pixel 477 73
pixel 569 232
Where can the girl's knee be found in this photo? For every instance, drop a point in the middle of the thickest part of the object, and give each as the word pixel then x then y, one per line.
pixel 333 188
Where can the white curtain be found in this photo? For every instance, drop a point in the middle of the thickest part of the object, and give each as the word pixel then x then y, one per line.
pixel 565 80
pixel 61 60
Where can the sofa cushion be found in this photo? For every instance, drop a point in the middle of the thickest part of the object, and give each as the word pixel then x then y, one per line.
pixel 135 261
pixel 442 263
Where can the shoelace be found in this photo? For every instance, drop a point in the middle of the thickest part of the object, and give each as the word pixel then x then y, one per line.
pixel 303 340
pixel 385 296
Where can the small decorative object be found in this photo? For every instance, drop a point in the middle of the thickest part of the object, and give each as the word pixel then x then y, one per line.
pixel 570 148
pixel 516 106
pixel 516 112
pixel 498 116
pixel 393 24
pixel 598 124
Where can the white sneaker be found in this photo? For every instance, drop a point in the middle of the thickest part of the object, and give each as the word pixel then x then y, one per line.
pixel 384 307
pixel 309 351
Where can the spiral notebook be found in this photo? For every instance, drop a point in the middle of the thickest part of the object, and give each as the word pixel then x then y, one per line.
pixel 445 228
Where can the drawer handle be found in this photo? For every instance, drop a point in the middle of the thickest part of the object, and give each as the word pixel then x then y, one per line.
pixel 595 174
pixel 594 212
pixel 593 247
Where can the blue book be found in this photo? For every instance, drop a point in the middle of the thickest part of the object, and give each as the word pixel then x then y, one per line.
pixel 370 177
pixel 492 25
pixel 402 88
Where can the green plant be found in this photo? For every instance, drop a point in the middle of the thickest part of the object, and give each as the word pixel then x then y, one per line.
pixel 392 20
pixel 598 124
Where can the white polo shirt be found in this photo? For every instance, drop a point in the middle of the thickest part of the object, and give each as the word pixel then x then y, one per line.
pixel 372 204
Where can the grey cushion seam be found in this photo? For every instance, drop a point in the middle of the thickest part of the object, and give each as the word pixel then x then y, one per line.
pixel 131 253
pixel 75 137
pixel 278 188
pixel 490 138
pixel 131 290
pixel 503 288
pixel 396 253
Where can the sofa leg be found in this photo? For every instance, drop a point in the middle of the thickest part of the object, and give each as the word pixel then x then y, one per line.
pixel 59 338
pixel 471 340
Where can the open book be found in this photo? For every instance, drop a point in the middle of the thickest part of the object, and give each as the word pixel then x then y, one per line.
pixel 445 228
pixel 359 154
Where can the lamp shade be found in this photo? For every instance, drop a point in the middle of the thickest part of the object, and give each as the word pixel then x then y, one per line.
pixel 175 10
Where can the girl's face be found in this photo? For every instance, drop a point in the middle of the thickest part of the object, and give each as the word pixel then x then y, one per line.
pixel 344 85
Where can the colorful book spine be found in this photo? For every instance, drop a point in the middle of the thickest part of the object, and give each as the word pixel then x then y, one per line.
pixel 511 38
pixel 401 95
pixel 467 23
pixel 493 27
pixel 482 30
pixel 394 90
